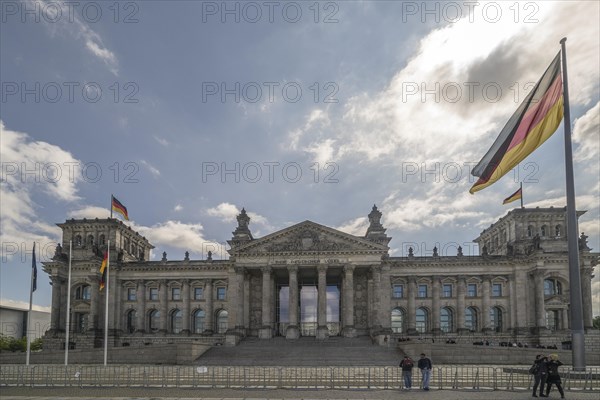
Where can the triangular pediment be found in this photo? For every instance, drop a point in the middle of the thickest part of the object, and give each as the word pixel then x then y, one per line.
pixel 308 238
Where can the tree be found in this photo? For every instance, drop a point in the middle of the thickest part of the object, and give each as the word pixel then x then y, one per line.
pixel 596 322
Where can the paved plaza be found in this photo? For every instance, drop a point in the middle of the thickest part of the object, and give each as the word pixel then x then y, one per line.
pixel 14 393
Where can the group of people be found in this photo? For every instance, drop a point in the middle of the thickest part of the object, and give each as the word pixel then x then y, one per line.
pixel 407 365
pixel 545 372
pixel 544 369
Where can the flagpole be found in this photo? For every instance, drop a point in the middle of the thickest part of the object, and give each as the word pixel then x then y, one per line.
pixel 29 313
pixel 577 330
pixel 111 202
pixel 522 195
pixel 106 305
pixel 68 326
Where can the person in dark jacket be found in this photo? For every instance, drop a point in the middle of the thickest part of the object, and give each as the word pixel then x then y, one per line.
pixel 424 365
pixel 407 365
pixel 541 373
pixel 554 376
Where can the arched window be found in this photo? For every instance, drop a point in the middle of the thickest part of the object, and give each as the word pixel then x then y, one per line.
pixel 496 319
pixel 176 321
pixel 83 292
pixel 198 322
pixel 153 320
pixel 78 240
pixel 530 231
pixel 544 230
pixel 90 240
pixel 102 240
pixel 471 319
pixel 397 320
pixel 421 320
pixel 222 321
pixel 131 318
pixel 446 320
pixel 552 287
pixel 557 231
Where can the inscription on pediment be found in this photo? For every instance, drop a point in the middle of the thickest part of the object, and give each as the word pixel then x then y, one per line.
pixel 306 240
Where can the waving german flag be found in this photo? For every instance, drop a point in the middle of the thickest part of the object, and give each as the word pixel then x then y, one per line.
pixel 103 268
pixel 536 119
pixel 118 207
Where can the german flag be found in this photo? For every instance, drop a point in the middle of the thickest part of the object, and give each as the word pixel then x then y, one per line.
pixel 515 196
pixel 536 119
pixel 103 269
pixel 118 207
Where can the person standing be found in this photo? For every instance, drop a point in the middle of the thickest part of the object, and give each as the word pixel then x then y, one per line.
pixel 407 365
pixel 554 376
pixel 540 374
pixel 424 365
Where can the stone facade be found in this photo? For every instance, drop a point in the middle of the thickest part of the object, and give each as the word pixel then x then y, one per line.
pixel 312 280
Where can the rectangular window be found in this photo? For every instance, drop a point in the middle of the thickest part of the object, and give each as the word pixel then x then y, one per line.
pixel 497 290
pixel 153 293
pixel 198 293
pixel 221 293
pixel 131 294
pixel 398 291
pixel 175 293
pixel 472 290
pixel 447 290
pixel 422 291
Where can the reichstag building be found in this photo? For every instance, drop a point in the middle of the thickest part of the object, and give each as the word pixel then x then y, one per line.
pixel 312 280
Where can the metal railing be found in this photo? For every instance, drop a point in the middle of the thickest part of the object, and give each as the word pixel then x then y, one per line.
pixel 484 378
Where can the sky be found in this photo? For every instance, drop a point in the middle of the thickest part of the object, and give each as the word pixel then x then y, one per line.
pixel 188 111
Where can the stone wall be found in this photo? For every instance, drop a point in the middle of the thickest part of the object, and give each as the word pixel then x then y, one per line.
pixel 182 354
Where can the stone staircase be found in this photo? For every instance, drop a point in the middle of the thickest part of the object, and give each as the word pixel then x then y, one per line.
pixel 306 351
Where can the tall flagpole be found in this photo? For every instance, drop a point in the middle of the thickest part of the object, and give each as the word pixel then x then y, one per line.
pixel 106 305
pixel 68 326
pixel 111 201
pixel 577 331
pixel 29 313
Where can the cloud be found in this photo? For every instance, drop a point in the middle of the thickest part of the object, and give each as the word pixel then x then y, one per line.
pixel 188 237
pixel 70 23
pixel 161 141
pixel 586 133
pixel 29 169
pixel 178 208
pixel 89 212
pixel 153 170
pixel 227 212
pixel 356 227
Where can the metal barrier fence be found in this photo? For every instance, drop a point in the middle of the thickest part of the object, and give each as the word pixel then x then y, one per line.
pixel 349 378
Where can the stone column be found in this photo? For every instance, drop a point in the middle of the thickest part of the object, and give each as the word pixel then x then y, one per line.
pixel 522 301
pixel 564 323
pixel 209 312
pixel 376 311
pixel 293 331
pixel 460 304
pixel 348 308
pixel 265 331
pixel 485 301
pixel 163 297
pixel 94 302
pixel 140 312
pixel 385 308
pixel 322 331
pixel 412 309
pixel 540 312
pixel 117 317
pixel 586 295
pixel 185 292
pixel 240 303
pixel 435 304
pixel 55 311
